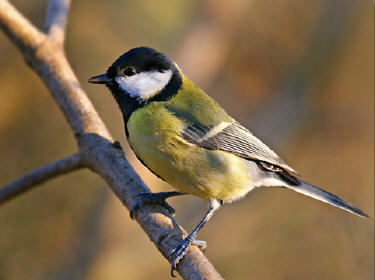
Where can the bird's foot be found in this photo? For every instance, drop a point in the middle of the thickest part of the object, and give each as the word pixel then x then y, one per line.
pixel 152 198
pixel 181 249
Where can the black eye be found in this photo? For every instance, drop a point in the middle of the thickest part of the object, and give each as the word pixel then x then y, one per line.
pixel 130 71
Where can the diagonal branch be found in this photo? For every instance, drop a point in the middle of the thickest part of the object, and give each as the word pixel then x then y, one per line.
pixel 40 176
pixel 48 60
pixel 18 28
pixel 56 21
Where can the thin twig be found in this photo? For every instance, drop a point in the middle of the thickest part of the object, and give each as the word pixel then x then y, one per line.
pixel 56 20
pixel 40 176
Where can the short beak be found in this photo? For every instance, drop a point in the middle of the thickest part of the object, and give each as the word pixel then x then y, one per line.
pixel 100 79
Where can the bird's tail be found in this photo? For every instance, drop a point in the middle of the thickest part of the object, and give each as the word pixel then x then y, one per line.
pixel 319 194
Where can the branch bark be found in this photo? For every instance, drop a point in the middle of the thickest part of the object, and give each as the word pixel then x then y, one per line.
pixel 39 176
pixel 45 55
pixel 57 15
pixel 23 34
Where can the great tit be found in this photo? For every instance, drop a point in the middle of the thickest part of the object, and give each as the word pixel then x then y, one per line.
pixel 184 137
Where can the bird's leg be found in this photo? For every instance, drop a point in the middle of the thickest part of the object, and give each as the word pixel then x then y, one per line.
pixel 181 249
pixel 154 198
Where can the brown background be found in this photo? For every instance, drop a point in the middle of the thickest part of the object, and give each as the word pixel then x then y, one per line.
pixel 298 73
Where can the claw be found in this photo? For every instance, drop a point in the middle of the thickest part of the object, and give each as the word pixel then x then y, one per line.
pixel 181 249
pixel 151 198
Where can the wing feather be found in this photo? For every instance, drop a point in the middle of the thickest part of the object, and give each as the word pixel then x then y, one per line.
pixel 236 139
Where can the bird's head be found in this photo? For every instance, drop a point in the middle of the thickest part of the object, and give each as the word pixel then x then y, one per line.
pixel 141 74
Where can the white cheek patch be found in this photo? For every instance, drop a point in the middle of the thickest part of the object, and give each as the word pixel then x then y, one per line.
pixel 145 84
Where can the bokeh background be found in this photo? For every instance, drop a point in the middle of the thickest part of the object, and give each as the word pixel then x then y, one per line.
pixel 298 73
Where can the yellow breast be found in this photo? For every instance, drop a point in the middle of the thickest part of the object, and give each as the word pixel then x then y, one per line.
pixel 186 167
pixel 155 137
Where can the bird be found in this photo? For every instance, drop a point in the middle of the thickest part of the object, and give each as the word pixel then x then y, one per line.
pixel 187 139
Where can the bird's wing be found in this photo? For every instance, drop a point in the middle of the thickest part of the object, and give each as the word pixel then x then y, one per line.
pixel 236 139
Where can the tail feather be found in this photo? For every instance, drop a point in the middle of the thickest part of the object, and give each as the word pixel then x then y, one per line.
pixel 319 194
pixel 263 177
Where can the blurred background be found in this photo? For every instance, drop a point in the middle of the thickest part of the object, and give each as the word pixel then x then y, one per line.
pixel 298 73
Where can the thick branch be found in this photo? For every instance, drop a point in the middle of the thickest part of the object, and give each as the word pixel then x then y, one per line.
pixel 56 21
pixel 95 143
pixel 40 176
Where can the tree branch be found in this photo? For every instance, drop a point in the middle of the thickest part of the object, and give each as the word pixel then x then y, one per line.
pixel 40 176
pixel 46 57
pixel 24 35
pixel 56 21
